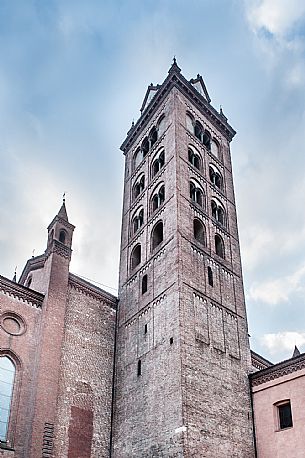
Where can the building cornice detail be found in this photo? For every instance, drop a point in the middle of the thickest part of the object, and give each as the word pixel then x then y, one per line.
pixel 59 248
pixel 177 80
pixel 92 291
pixel 278 370
pixel 21 293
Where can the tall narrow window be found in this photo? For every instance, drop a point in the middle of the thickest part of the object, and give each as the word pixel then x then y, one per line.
pixel 139 368
pixel 135 257
pixel 145 146
pixel 196 194
pixel 62 236
pixel 137 158
pixel 215 149
pixel 218 212
pixel 190 123
pixel 157 235
pixel 219 246
pixel 144 284
pixel 194 159
pixel 284 415
pixel 7 376
pixel 215 177
pixel 158 198
pixel 153 136
pixel 199 231
pixel 161 126
pixel 210 276
pixel 138 187
pixel 206 140
pixel 198 131
pixel 157 164
pixel 137 221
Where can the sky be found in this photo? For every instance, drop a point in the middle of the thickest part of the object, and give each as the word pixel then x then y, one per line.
pixel 73 76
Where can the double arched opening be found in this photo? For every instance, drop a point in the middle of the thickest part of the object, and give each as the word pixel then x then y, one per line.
pixel 218 212
pixel 157 163
pixel 197 193
pixel 158 197
pixel 148 142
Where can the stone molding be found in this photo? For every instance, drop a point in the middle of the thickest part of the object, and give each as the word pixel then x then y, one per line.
pixel 278 370
pixel 20 292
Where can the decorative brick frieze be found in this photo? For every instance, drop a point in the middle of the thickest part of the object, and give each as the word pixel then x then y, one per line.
pixel 21 293
pixel 278 370
pixel 60 249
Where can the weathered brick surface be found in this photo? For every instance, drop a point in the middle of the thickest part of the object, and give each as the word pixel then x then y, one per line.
pixel 192 397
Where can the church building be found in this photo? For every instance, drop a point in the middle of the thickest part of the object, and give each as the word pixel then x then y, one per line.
pixel 164 369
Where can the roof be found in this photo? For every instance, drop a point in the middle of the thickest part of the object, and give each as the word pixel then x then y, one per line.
pixel 194 90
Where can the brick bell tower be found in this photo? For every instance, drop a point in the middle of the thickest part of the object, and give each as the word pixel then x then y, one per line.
pixel 182 356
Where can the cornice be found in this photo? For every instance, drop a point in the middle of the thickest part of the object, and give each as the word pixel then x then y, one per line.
pixel 176 79
pixel 93 291
pixel 20 292
pixel 278 370
pixel 58 248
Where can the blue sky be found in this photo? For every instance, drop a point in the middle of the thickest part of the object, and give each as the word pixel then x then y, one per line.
pixel 73 75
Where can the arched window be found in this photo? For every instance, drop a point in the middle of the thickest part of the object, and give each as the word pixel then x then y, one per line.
pixel 157 235
pixel 62 236
pixel 215 148
pixel 196 194
pixel 190 123
pixel 135 257
pixel 137 158
pixel 137 220
pixel 210 276
pixel 218 212
pixel 144 284
pixel 153 136
pixel 206 140
pixel 194 159
pixel 199 231
pixel 145 146
pixel 219 246
pixel 158 198
pixel 215 177
pixel 199 131
pixel 157 164
pixel 7 377
pixel 138 186
pixel 161 126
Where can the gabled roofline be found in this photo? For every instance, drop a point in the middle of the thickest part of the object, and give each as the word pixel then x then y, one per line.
pixel 176 79
pixel 89 288
pixel 34 263
pixel 21 292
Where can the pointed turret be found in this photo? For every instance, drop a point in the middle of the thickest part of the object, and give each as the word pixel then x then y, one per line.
pixel 60 230
pixel 296 352
pixel 63 211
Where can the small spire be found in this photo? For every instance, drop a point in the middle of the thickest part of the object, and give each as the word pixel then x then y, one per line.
pixel 15 275
pixel 174 66
pixel 62 211
pixel 33 253
pixel 296 352
pixel 222 114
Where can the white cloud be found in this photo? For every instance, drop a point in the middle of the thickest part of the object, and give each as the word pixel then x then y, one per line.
pixel 278 290
pixel 282 341
pixel 275 16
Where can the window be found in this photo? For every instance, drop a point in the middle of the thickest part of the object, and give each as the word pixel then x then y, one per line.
pixel 219 246
pixel 194 159
pixel 139 368
pixel 161 126
pixel 158 198
pixel 218 212
pixel 7 376
pixel 215 149
pixel 137 220
pixel 210 276
pixel 145 146
pixel 145 328
pixel 144 284
pixel 62 236
pixel 199 231
pixel 138 186
pixel 198 131
pixel 190 123
pixel 153 137
pixel 206 140
pixel 135 257
pixel 171 340
pixel 157 235
pixel 157 164
pixel 284 414
pixel 137 158
pixel 196 193
pixel 215 177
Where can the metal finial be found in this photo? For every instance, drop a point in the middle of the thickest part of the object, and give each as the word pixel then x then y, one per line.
pixel 15 275
pixel 174 60
pixel 33 253
pixel 64 198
